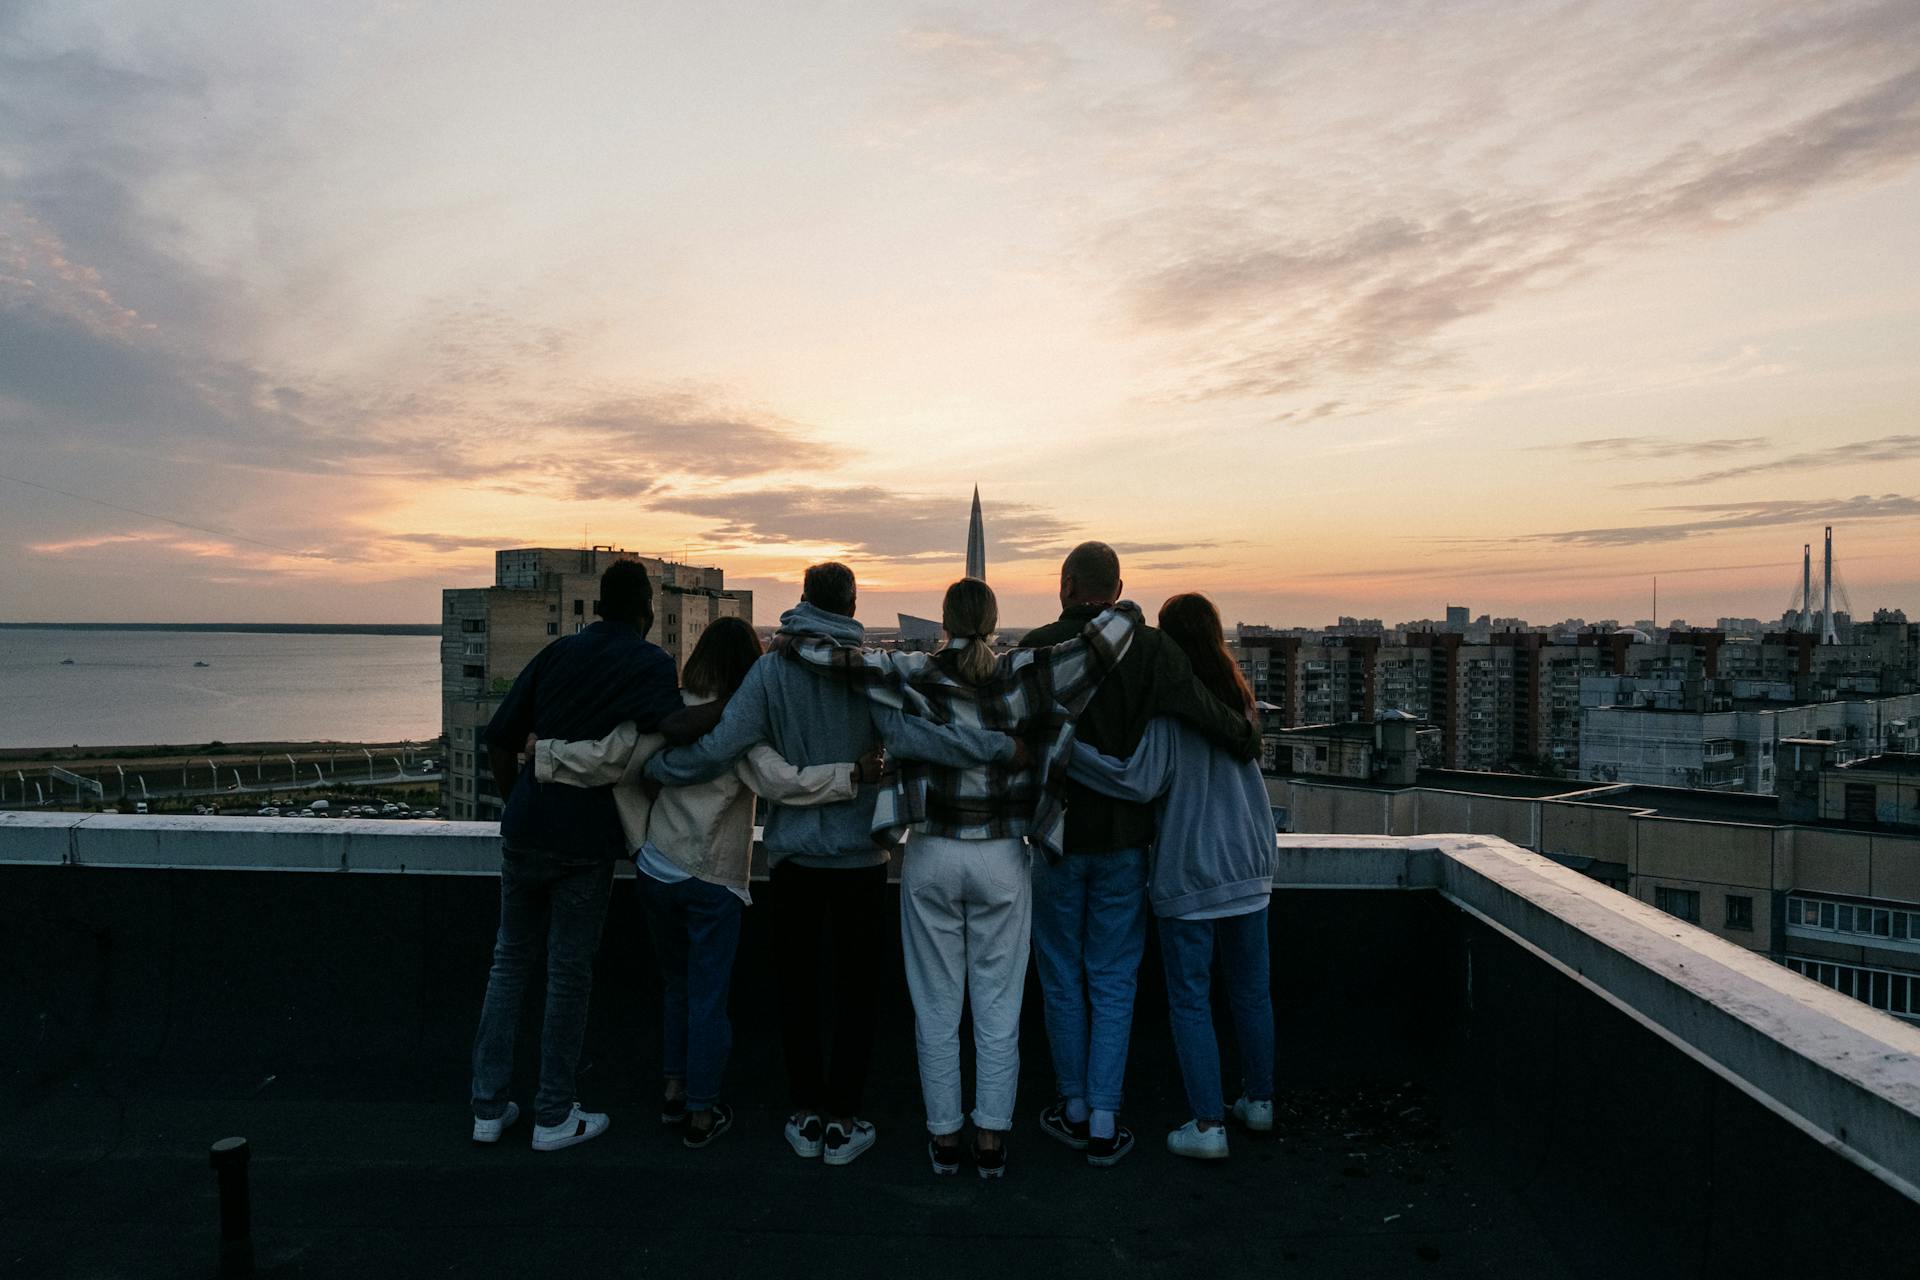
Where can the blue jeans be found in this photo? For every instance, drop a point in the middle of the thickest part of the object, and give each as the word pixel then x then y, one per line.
pixel 1089 930
pixel 1187 947
pixel 561 904
pixel 695 928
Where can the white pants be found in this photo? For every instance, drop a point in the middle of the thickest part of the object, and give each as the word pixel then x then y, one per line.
pixel 966 916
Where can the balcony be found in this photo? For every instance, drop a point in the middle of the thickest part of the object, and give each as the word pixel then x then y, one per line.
pixel 1489 1065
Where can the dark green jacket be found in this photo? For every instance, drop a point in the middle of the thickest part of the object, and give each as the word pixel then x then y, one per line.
pixel 1154 679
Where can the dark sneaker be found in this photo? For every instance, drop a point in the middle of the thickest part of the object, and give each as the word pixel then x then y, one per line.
pixel 698 1138
pixel 673 1110
pixel 1103 1153
pixel 1054 1123
pixel 804 1137
pixel 845 1144
pixel 946 1160
pixel 991 1164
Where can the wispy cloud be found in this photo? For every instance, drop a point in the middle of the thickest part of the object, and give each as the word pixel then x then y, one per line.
pixel 865 520
pixel 1308 200
pixel 967 62
pixel 1722 517
pixel 1894 448
pixel 1657 448
pixel 886 524
pixel 1288 313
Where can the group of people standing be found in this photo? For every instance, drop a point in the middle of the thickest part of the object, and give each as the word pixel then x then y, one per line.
pixel 1042 802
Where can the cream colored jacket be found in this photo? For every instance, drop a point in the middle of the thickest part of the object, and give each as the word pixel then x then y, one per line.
pixel 706 830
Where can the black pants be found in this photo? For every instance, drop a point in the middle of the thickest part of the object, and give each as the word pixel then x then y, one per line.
pixel 849 909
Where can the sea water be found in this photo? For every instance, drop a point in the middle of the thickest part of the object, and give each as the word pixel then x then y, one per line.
pixel 138 688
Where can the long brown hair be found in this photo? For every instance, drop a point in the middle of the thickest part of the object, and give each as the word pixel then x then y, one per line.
pixel 717 665
pixel 1192 622
pixel 971 612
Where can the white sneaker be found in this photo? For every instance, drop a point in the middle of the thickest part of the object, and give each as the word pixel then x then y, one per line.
pixel 579 1126
pixel 490 1130
pixel 843 1146
pixel 804 1139
pixel 1189 1141
pixel 1257 1116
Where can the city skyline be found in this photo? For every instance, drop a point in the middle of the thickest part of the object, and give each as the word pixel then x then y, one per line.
pixel 1355 311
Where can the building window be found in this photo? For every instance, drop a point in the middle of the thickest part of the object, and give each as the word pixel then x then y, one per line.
pixel 1893 924
pixel 472 672
pixel 553 628
pixel 1897 993
pixel 1739 912
pixel 579 608
pixel 474 626
pixel 1684 903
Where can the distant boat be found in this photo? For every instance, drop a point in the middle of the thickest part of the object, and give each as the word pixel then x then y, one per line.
pixel 67 662
pixel 203 664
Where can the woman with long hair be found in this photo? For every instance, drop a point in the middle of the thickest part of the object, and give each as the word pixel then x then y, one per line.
pixel 692 849
pixel 1209 884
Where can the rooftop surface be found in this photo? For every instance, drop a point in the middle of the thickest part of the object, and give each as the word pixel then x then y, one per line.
pixel 1452 1100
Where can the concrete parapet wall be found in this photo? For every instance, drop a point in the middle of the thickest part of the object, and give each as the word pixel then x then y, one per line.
pixel 251 844
pixel 1842 1072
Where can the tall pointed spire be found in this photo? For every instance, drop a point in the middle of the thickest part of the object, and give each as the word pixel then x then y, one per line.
pixel 976 541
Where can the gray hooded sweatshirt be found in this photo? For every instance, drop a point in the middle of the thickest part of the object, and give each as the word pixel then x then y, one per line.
pixel 813 716
pixel 1216 849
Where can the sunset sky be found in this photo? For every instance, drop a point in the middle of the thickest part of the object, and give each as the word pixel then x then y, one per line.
pixel 1360 308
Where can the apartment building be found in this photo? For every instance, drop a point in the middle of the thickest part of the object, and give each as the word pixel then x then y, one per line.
pixel 1654 733
pixel 1519 699
pixel 489 634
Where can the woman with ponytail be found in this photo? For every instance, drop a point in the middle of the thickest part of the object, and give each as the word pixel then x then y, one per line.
pixel 1209 883
pixel 966 916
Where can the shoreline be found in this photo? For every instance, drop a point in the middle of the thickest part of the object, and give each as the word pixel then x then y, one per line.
pixel 164 754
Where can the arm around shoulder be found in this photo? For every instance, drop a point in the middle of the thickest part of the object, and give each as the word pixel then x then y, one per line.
pixel 771 776
pixel 599 763
pixel 1142 777
pixel 959 746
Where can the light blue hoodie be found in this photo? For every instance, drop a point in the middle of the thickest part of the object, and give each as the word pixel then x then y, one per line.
pixel 814 716
pixel 1215 852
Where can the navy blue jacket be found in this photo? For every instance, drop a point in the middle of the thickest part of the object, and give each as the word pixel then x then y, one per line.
pixel 580 687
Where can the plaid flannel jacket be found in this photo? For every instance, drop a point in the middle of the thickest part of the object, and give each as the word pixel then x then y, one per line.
pixel 1035 694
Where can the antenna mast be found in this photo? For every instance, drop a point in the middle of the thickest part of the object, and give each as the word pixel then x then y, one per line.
pixel 1827 633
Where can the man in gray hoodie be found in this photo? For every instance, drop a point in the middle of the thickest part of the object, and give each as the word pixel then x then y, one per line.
pixel 829 878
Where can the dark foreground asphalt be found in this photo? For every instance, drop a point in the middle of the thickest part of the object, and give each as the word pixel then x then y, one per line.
pixel 327 1019
pixel 109 1176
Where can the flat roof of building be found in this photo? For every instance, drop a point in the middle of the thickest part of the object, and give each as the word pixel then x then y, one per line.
pixel 1523 785
pixel 1680 802
pixel 1904 763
